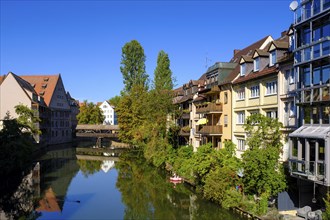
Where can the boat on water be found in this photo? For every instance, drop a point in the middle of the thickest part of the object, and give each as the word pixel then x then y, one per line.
pixel 175 178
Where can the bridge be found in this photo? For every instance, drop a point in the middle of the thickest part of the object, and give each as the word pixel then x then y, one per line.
pixel 98 131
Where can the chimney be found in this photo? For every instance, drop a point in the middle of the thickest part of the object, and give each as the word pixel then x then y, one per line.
pixel 236 51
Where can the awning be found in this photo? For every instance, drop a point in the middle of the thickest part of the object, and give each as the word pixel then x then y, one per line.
pixel 202 121
pixel 312 131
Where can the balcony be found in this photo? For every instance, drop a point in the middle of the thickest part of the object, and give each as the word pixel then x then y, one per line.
pixel 185 131
pixel 209 107
pixel 209 129
pixel 316 50
pixel 311 170
pixel 315 94
pixel 306 11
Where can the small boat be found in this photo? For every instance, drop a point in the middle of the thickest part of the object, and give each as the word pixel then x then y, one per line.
pixel 175 178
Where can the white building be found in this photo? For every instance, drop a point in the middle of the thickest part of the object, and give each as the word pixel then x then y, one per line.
pixel 110 117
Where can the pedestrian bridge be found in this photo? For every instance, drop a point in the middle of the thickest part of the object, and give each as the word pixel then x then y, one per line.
pixel 99 131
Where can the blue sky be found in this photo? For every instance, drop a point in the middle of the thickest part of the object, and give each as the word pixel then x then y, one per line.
pixel 82 40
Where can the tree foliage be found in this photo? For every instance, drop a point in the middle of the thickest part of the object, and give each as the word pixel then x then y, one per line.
pixel 262 171
pixel 16 142
pixel 133 65
pixel 114 101
pixel 89 113
pixel 163 74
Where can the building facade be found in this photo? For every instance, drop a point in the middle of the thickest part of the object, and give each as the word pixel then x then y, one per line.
pixel 110 116
pixel 47 96
pixel 310 143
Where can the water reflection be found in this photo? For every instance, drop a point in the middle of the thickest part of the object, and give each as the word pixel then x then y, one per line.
pixel 75 186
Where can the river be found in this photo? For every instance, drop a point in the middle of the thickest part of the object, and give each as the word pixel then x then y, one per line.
pixel 102 188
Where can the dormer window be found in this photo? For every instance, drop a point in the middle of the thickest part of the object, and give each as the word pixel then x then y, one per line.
pixel 243 69
pixel 272 58
pixel 256 64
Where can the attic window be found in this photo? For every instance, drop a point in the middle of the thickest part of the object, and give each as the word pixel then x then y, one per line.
pixel 256 63
pixel 42 93
pixel 44 85
pixel 46 79
pixel 33 85
pixel 243 69
pixel 272 58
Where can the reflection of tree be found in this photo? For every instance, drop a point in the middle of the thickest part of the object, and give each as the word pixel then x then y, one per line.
pixel 147 195
pixel 89 167
pixel 20 204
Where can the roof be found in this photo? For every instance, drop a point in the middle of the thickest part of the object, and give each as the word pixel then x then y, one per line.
pixel 312 131
pixel 254 75
pixel 246 51
pixel 262 53
pixel 247 59
pixel 1 79
pixel 24 84
pixel 44 85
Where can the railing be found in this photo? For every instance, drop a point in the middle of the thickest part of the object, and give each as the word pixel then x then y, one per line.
pixel 209 107
pixel 185 116
pixel 316 94
pixel 312 170
pixel 315 50
pixel 209 129
pixel 306 11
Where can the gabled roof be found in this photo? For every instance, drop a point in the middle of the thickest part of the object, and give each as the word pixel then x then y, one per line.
pixel 44 85
pixel 24 84
pixel 246 51
pixel 246 59
pixel 255 75
pixel 260 53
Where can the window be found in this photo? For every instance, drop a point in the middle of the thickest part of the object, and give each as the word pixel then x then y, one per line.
pixel 226 98
pixel 240 117
pixel 271 88
pixel 326 74
pixel 243 69
pixel 271 114
pixel 307 115
pixel 306 36
pixel 104 106
pixel 292 109
pixel 255 91
pixel 316 6
pixel 241 94
pixel 241 144
pixel 294 147
pixel 326 115
pixel 315 115
pixel 289 74
pixel 226 120
pixel 272 58
pixel 306 78
pixel 256 63
pixel 316 76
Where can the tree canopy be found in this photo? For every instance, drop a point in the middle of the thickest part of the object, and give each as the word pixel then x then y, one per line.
pixel 133 65
pixel 163 74
pixel 89 113
pixel 263 172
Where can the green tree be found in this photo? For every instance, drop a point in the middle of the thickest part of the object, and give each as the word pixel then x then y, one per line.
pixel 89 113
pixel 114 101
pixel 163 74
pixel 133 65
pixel 27 119
pixel 263 173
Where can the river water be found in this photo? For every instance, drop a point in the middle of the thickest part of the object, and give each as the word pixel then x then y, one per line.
pixel 77 187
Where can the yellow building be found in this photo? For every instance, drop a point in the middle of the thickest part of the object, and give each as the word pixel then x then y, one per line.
pixel 256 88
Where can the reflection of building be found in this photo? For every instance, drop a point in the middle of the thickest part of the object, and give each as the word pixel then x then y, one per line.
pixel 107 165
pixel 49 202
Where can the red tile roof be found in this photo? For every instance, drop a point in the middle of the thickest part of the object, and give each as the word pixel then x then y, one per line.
pixel 44 85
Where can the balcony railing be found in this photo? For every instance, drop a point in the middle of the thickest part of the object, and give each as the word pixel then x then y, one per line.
pixel 306 11
pixel 209 129
pixel 316 94
pixel 313 51
pixel 311 170
pixel 185 131
pixel 209 107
